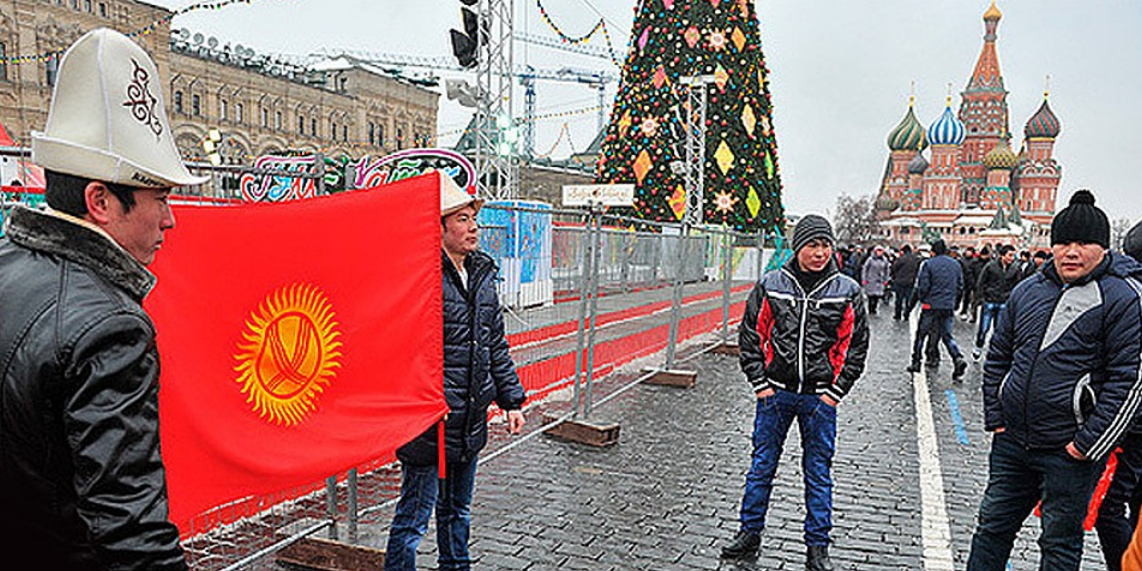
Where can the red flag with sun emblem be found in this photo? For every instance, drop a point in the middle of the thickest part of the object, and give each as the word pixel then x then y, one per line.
pixel 298 339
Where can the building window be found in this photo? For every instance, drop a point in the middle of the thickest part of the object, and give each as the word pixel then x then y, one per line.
pixel 178 102
pixel 332 130
pixel 238 112
pixel 3 61
pixel 372 134
pixel 222 109
pixel 400 138
pixel 381 135
pixel 195 105
pixel 277 119
pixel 313 126
pixel 300 125
pixel 103 9
pixel 265 117
pixel 345 133
pixel 87 6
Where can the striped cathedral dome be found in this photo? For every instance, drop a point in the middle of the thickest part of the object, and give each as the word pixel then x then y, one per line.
pixel 947 130
pixel 918 164
pixel 1043 124
pixel 908 135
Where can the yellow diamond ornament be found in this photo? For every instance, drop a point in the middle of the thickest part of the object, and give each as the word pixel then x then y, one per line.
pixel 725 157
pixel 738 38
pixel 749 120
pixel 753 202
pixel 642 165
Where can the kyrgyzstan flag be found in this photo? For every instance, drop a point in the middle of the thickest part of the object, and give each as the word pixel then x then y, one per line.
pixel 298 339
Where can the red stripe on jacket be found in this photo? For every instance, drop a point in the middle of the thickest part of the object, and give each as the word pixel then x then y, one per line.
pixel 765 323
pixel 840 349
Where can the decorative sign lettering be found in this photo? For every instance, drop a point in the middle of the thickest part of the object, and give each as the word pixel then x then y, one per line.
pixel 415 162
pixel 278 188
pixel 602 194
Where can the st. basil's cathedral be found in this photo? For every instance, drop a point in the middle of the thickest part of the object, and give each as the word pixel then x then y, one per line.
pixel 973 190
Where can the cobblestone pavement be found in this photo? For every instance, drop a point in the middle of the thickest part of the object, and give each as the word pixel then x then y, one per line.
pixel 666 497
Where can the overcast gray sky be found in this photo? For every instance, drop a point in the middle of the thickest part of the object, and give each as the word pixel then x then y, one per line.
pixel 841 72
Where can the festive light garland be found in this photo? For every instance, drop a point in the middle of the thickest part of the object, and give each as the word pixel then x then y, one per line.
pixel 600 25
pixel 144 31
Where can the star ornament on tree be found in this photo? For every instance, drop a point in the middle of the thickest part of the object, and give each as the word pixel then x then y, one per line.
pixel 649 127
pixel 717 40
pixel 724 202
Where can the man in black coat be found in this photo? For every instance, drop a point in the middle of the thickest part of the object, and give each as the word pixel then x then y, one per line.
pixel 904 270
pixel 82 482
pixel 996 281
pixel 477 372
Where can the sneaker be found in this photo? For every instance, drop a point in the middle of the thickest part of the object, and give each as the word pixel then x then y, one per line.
pixel 977 353
pixel 744 545
pixel 817 558
pixel 961 367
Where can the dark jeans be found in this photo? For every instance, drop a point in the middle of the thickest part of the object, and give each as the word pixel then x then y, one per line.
pixel 1118 513
pixel 873 302
pixel 420 492
pixel 1018 479
pixel 903 300
pixel 935 322
pixel 988 316
pixel 818 424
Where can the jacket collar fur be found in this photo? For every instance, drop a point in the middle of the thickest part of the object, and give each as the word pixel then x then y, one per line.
pixel 56 235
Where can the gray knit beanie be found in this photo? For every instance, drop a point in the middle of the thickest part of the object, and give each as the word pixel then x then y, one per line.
pixel 809 228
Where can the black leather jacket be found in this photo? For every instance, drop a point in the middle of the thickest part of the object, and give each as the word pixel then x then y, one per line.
pixel 478 369
pixel 804 338
pixel 82 486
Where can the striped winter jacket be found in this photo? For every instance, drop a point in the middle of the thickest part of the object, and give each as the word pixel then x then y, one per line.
pixel 811 342
pixel 1065 361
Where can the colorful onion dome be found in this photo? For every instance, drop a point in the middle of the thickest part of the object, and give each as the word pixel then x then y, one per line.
pixel 1000 158
pixel 992 13
pixel 1043 124
pixel 908 135
pixel 947 130
pixel 918 164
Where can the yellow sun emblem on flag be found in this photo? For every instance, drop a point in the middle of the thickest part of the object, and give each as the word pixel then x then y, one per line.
pixel 290 354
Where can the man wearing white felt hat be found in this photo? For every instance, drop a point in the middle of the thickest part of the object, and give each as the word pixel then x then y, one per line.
pixel 80 467
pixel 478 370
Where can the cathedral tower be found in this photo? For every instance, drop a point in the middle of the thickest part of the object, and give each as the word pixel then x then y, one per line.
pixel 983 112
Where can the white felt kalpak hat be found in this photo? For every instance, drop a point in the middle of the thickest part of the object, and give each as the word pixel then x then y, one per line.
pixel 107 120
pixel 453 198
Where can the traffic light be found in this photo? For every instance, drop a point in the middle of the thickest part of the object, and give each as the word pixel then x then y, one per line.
pixel 466 44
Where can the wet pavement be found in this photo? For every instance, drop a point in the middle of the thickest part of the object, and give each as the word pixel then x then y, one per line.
pixel 667 495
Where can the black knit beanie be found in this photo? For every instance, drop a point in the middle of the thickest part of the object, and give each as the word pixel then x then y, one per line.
pixel 811 227
pixel 1081 221
pixel 939 247
pixel 1132 245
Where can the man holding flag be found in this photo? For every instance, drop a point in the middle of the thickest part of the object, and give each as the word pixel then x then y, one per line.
pixel 80 471
pixel 477 371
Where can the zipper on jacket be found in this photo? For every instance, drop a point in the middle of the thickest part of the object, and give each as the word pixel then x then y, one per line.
pixel 804 320
pixel 1038 350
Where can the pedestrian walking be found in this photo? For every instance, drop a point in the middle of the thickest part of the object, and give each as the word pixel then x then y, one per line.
pixel 903 273
pixel 803 339
pixel 82 482
pixel 939 284
pixel 1118 512
pixel 874 277
pixel 1061 387
pixel 996 281
pixel 477 371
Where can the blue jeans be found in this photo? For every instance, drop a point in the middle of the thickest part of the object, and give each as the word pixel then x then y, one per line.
pixel 935 322
pixel 903 300
pixel 1018 479
pixel 988 317
pixel 420 492
pixel 818 424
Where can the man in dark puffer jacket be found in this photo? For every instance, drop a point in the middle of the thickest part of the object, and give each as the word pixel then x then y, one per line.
pixel 803 339
pixel 477 371
pixel 1062 385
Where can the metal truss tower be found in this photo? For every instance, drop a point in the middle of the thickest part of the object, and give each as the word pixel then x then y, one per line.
pixel 697 89
pixel 496 162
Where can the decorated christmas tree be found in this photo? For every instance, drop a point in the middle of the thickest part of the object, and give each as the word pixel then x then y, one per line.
pixel 672 39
